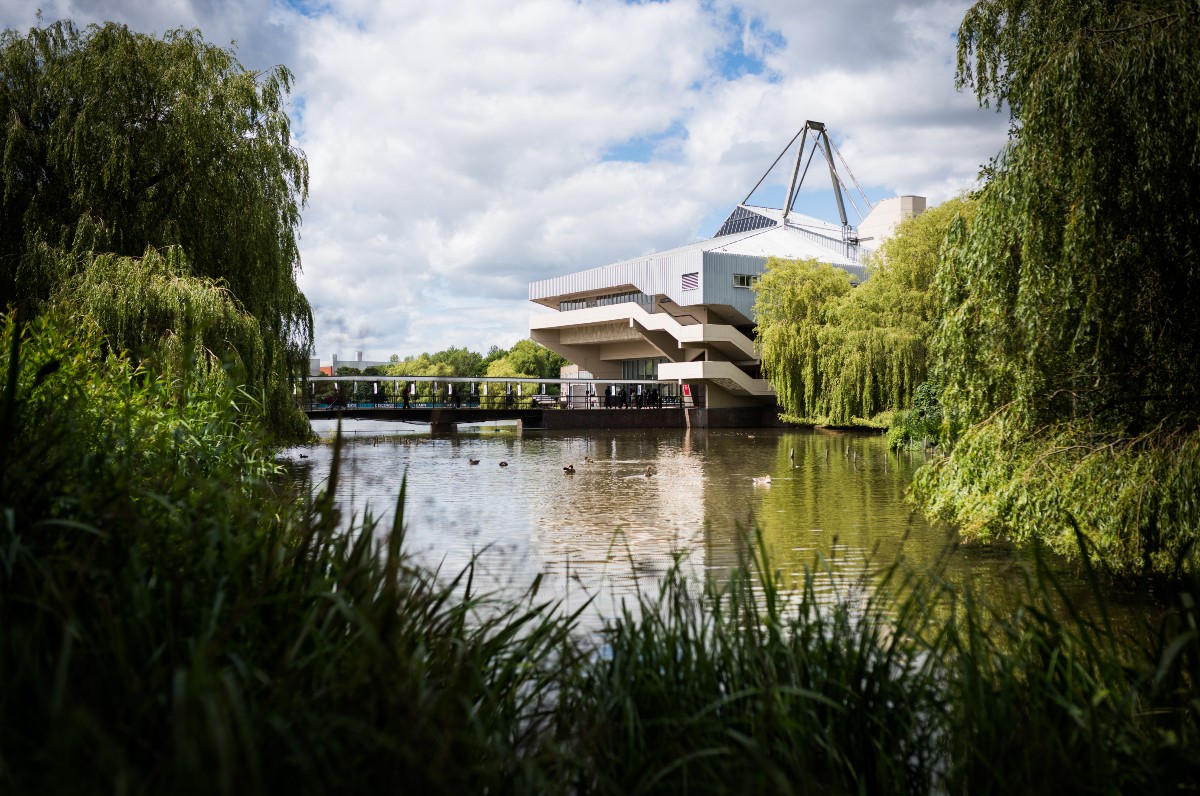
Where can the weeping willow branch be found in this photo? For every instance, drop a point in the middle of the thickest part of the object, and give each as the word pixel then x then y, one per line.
pixel 835 353
pixel 112 141
pixel 152 309
pixel 1071 301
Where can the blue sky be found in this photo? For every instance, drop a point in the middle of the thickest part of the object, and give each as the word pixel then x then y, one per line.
pixel 459 150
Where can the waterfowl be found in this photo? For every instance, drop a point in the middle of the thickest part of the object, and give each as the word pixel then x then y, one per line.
pixel 472 461
pixel 504 464
pixel 569 469
pixel 650 470
pixel 765 479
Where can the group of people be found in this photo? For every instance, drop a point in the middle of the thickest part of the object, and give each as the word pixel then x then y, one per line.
pixel 453 397
pixel 638 399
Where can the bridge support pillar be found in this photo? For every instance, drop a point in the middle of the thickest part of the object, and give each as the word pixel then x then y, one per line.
pixel 443 427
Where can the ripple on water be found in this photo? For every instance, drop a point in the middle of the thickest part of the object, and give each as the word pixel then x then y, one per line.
pixel 609 530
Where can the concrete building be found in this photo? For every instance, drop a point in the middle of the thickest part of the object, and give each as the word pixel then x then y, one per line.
pixel 686 315
pixel 881 222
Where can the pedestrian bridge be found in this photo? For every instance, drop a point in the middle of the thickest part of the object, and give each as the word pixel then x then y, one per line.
pixel 505 398
pixel 447 402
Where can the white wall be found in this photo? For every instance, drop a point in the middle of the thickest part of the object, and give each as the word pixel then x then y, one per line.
pixel 881 222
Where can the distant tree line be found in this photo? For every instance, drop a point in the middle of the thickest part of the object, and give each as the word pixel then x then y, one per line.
pixel 525 360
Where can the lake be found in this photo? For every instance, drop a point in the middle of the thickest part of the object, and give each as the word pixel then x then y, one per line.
pixel 640 498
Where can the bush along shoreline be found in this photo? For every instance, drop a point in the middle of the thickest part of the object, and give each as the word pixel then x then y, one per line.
pixel 172 621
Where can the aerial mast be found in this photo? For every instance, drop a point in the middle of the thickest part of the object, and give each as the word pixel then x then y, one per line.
pixel 821 141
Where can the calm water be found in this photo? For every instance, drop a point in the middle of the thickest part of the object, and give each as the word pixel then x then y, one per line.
pixel 610 527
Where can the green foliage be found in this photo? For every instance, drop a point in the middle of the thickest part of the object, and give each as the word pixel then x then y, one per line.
pixel 462 362
pixel 453 361
pixel 1070 330
pixel 504 368
pixel 794 300
pixel 1070 294
pixel 1137 499
pixel 923 423
pixel 833 353
pixel 494 352
pixel 525 360
pixel 1051 700
pixel 745 688
pixel 907 684
pixel 147 307
pixel 116 142
pixel 535 359
pixel 423 365
pixel 175 622
pixel 90 434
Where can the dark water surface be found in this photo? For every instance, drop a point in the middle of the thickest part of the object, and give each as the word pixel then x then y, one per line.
pixel 610 528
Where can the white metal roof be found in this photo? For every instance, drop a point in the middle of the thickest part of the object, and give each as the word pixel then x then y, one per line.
pixel 801 238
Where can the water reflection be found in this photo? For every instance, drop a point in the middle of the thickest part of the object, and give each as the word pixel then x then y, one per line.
pixel 611 527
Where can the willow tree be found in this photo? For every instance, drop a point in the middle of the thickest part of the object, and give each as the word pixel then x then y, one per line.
pixel 875 350
pixel 793 303
pixel 834 353
pixel 1071 334
pixel 114 142
pixel 164 317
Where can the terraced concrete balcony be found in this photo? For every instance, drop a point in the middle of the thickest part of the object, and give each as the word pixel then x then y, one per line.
pixel 676 340
pixel 725 375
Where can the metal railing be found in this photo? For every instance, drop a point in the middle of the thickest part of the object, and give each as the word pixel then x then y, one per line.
pixel 438 392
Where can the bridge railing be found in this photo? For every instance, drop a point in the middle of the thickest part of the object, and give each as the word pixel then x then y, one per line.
pixel 430 392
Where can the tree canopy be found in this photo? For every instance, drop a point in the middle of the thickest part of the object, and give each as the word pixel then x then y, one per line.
pixel 1076 292
pixel 834 352
pixel 1070 332
pixel 114 142
pixel 422 365
pixel 526 359
pixel 534 359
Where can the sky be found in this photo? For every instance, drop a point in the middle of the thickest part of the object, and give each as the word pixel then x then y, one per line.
pixel 460 149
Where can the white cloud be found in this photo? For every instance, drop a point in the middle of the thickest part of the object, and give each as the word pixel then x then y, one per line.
pixel 458 149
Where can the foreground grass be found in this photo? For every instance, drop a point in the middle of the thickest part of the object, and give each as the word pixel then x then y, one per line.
pixel 171 624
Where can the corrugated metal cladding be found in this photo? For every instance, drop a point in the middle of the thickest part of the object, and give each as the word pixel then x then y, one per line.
pixel 719 268
pixel 652 275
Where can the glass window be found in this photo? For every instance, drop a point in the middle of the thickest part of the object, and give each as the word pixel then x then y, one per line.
pixel 745 280
pixel 641 368
pixel 646 302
